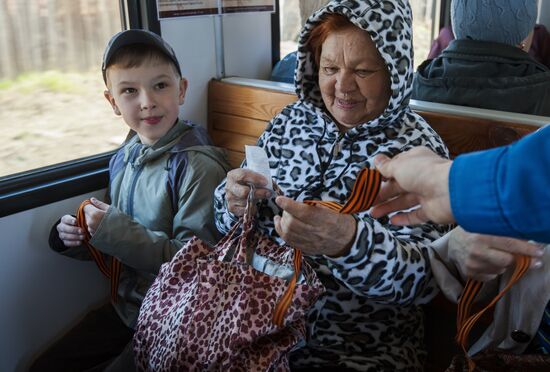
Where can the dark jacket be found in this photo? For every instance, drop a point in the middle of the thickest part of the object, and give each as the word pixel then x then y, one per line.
pixel 487 75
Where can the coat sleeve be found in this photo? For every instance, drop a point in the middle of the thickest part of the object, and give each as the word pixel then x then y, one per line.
pixel 143 249
pixel 388 264
pixel 505 191
pixel 391 264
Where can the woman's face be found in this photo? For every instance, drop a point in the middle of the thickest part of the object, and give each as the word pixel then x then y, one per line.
pixel 354 80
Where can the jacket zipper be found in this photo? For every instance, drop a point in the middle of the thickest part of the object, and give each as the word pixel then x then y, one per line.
pixel 337 146
pixel 135 177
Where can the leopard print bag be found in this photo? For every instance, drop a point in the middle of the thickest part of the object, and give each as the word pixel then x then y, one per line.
pixel 233 308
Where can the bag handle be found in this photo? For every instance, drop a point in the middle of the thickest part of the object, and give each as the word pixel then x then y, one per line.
pixel 464 321
pixel 111 272
pixel 362 196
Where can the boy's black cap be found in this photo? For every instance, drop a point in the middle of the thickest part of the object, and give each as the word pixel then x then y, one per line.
pixel 129 37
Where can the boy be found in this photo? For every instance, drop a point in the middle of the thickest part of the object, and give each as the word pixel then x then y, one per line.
pixel 161 190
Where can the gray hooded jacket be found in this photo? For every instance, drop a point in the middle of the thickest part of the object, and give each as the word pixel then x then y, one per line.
pixel 156 206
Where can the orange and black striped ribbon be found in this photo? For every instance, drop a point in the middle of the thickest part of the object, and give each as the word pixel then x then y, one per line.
pixel 362 196
pixel 112 272
pixel 465 322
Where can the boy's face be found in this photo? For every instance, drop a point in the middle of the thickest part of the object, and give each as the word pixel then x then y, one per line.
pixel 148 97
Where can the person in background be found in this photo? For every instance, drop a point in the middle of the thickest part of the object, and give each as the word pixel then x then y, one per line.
pixel 161 185
pixel 353 82
pixel 485 66
pixel 537 43
pixel 283 71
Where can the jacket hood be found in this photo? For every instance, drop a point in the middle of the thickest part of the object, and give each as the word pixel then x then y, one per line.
pixel 181 137
pixel 388 23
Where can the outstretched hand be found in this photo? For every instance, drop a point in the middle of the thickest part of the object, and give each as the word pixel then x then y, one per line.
pixel 94 214
pixel 315 230
pixel 417 177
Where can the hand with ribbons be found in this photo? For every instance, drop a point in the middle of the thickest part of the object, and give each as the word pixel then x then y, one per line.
pixel 69 232
pixel 483 257
pixel 236 189
pixel 94 214
pixel 314 229
pixel 417 177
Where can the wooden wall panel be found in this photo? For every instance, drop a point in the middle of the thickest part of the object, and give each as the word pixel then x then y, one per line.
pixel 249 102
pixel 238 124
pixel 232 141
pixel 465 134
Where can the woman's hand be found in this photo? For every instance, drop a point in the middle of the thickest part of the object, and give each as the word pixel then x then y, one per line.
pixel 483 257
pixel 315 230
pixel 236 189
pixel 94 214
pixel 69 232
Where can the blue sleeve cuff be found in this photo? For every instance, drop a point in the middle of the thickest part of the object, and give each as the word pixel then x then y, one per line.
pixel 474 194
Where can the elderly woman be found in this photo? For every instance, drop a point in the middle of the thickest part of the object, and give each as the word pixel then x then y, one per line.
pixel 353 81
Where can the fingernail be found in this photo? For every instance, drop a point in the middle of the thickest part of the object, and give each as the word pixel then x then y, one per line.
pixel 537 264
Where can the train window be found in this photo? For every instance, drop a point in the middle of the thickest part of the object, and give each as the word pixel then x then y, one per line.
pixel 425 26
pixel 293 14
pixel 51 87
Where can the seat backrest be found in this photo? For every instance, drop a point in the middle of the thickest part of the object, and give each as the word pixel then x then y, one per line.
pixel 238 114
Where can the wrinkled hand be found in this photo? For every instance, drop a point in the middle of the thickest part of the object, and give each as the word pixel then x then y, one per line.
pixel 315 230
pixel 483 257
pixel 415 177
pixel 237 189
pixel 69 232
pixel 94 213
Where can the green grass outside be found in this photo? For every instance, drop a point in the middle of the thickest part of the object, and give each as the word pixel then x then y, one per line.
pixel 52 81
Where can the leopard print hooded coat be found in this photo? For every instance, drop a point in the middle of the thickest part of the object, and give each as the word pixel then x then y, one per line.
pixel 369 319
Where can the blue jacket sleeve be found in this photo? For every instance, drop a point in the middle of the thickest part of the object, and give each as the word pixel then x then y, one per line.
pixel 505 191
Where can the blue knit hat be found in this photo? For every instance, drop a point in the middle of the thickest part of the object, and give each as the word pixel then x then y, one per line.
pixel 501 21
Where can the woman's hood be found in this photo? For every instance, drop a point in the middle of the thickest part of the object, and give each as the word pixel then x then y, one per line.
pixel 388 22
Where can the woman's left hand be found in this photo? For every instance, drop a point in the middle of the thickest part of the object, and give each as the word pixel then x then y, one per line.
pixel 315 230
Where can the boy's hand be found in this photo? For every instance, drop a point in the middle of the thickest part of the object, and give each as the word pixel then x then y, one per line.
pixel 94 214
pixel 69 232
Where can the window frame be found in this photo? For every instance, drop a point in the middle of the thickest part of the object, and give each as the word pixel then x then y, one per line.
pixel 275 35
pixel 37 187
